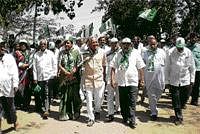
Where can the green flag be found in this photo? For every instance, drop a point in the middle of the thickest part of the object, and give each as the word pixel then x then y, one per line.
pixel 46 31
pixel 102 28
pixel 91 29
pixel 148 14
pixel 79 33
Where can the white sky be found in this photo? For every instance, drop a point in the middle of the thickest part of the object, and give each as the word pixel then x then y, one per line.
pixel 83 16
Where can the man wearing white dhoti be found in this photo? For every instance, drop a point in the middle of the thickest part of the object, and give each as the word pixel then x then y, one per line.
pixel 154 59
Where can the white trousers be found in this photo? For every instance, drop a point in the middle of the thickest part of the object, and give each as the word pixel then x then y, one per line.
pixel 113 99
pixel 154 95
pixel 82 88
pixel 97 94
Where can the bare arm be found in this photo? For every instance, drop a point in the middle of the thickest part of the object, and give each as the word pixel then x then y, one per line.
pixel 113 82
pixel 141 74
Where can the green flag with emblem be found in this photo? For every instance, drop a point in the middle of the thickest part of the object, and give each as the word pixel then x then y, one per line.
pixel 148 14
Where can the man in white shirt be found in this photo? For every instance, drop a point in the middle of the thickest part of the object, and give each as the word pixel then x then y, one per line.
pixel 154 59
pixel 180 75
pixel 8 86
pixel 44 69
pixel 113 93
pixel 103 43
pixel 54 81
pixel 137 44
pixel 128 64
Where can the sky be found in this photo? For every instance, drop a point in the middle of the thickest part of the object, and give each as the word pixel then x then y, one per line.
pixel 83 17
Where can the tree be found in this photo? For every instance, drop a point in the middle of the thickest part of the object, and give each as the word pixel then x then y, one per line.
pixel 191 22
pixel 13 13
pixel 173 16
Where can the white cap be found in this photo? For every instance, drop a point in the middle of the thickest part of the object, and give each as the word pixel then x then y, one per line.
pixel 60 37
pixel 69 37
pixel 23 41
pixel 1 40
pixel 113 40
pixel 162 40
pixel 51 45
pixel 126 40
pixel 180 42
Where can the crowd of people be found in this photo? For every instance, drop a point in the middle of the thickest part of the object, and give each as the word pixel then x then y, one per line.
pixel 73 70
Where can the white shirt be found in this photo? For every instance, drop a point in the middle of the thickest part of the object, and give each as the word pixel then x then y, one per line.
pixel 106 48
pixel 141 48
pixel 180 67
pixel 154 77
pixel 44 65
pixel 129 76
pixel 109 56
pixel 9 76
pixel 159 59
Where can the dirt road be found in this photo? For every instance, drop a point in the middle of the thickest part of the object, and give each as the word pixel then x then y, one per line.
pixel 31 122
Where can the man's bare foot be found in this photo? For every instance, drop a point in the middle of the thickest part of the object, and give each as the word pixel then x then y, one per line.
pixel 16 125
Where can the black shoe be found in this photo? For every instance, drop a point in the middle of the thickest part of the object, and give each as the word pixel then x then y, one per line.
pixel 110 118
pixel 132 125
pixel 154 117
pixel 125 122
pixel 45 115
pixel 194 103
pixel 178 122
pixel 90 123
pixel 117 112
pixel 76 115
pixel 97 116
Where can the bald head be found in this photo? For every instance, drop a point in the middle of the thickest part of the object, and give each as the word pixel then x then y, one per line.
pixel 153 43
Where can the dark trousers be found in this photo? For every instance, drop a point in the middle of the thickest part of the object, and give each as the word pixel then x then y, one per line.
pixel 23 96
pixel 127 98
pixel 7 105
pixel 196 88
pixel 42 98
pixel 180 96
pixel 53 88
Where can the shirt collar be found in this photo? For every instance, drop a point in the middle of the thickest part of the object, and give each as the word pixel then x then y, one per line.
pixel 45 51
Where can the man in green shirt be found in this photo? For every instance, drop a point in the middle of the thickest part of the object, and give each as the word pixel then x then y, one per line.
pixel 195 48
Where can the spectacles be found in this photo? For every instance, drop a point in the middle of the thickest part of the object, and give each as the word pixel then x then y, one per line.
pixel 126 43
pixel 43 44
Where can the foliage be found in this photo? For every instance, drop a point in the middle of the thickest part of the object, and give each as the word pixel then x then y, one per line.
pixel 191 23
pixel 10 7
pixel 173 16
pixel 17 15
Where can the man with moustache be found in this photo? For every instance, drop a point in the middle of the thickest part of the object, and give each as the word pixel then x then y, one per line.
pixel 125 67
pixel 44 69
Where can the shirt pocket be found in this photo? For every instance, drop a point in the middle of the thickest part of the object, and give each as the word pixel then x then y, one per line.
pixel 197 54
pixel 187 61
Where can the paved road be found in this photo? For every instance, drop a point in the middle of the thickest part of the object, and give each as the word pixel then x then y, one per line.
pixel 31 122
